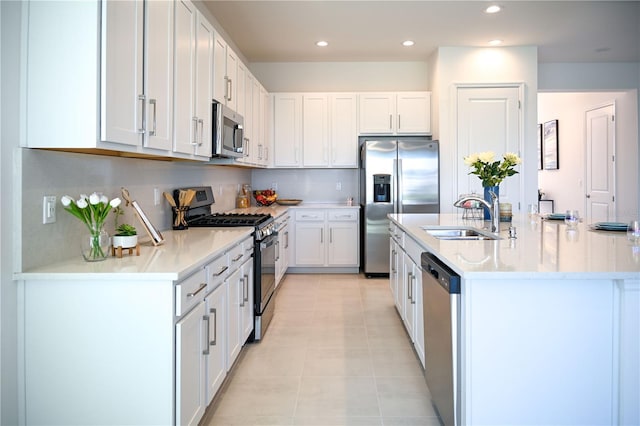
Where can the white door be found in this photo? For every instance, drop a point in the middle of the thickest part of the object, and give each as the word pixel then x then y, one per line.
pixel 488 120
pixel 600 168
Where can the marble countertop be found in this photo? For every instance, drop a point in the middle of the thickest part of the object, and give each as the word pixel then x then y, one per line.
pixel 544 247
pixel 182 253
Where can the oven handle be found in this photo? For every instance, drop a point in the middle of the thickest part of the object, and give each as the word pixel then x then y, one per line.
pixel 269 241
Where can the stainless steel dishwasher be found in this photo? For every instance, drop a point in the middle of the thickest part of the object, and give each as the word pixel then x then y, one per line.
pixel 441 299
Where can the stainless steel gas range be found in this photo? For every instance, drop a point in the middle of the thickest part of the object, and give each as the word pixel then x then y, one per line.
pixel 265 238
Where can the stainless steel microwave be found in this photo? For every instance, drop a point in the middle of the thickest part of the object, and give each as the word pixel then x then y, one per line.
pixel 228 132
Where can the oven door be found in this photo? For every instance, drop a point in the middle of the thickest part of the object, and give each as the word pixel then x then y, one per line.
pixel 265 252
pixel 265 284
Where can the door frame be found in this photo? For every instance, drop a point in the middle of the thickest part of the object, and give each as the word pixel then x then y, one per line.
pixel 455 87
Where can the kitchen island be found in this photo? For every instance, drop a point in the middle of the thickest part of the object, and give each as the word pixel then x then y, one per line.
pixel 549 323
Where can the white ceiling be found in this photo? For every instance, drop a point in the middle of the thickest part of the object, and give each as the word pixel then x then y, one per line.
pixel 564 31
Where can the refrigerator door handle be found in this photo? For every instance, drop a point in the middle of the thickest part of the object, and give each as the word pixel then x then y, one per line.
pixel 399 186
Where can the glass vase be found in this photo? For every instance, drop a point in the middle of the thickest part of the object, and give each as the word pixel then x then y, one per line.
pixel 95 244
pixel 487 198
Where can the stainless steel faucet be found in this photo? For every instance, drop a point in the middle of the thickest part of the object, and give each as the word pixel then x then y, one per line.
pixel 494 208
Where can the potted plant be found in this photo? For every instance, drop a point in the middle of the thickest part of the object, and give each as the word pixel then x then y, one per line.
pixel 126 235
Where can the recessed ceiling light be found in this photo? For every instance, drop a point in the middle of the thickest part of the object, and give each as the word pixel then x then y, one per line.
pixel 322 43
pixel 495 42
pixel 493 9
pixel 408 43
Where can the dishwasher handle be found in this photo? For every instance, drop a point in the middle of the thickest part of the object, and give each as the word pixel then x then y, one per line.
pixel 439 271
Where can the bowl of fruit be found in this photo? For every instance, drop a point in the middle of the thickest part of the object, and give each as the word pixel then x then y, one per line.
pixel 265 197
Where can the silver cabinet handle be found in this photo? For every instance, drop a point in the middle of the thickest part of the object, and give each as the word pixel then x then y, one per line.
pixel 398 121
pixel 201 123
pixel 413 280
pixel 242 299
pixel 206 346
pixel 330 235
pixel 286 239
pixel 215 327
pixel 194 141
pixel 238 257
pixel 246 284
pixel 393 261
pixel 226 87
pixel 277 250
pixel 202 287
pixel 143 129
pixel 153 102
pixel 390 121
pixel 221 271
pixel 229 88
pixel 321 236
pixel 409 274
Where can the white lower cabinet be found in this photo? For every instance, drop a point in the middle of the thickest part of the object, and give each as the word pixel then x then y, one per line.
pixel 282 251
pixel 326 238
pixel 405 281
pixel 215 353
pixel 190 374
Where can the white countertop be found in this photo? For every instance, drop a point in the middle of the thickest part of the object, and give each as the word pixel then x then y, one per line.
pixel 180 254
pixel 276 210
pixel 541 247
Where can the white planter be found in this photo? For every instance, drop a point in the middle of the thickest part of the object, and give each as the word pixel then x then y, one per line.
pixel 127 241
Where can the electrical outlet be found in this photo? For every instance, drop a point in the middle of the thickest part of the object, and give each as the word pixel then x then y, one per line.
pixel 338 186
pixel 156 196
pixel 49 209
pixel 274 186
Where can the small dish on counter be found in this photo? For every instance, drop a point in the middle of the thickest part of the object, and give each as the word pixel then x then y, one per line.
pixel 609 226
pixel 288 202
pixel 555 216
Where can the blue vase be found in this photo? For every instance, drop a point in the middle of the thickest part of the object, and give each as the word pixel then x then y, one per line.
pixel 487 198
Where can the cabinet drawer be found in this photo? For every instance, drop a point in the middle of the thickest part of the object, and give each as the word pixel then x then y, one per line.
pixel 217 271
pixel 236 257
pixel 309 215
pixel 413 249
pixel 343 214
pixel 190 291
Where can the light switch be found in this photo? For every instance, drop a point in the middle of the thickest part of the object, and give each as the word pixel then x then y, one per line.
pixel 49 209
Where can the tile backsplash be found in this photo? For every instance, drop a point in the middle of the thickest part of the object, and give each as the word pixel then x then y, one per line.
pixel 62 173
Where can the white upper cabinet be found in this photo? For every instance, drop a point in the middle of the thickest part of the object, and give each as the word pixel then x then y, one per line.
pixel 343 136
pixel 315 130
pixel 159 74
pixel 193 81
pixel 287 131
pixel 395 113
pixel 100 75
pixel 225 73
pixel 321 128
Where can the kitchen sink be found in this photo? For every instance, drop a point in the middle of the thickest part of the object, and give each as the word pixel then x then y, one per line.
pixel 459 233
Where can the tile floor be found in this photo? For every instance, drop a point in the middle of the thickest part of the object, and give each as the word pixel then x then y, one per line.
pixel 336 354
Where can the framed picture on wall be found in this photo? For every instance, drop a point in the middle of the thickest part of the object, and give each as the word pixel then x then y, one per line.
pixel 539 146
pixel 550 145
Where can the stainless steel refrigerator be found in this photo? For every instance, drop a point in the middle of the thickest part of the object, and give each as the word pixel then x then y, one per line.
pixel 397 175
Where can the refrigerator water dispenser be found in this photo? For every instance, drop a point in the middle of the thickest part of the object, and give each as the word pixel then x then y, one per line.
pixel 381 188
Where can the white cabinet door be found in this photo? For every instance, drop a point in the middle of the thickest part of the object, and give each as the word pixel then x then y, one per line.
pixel 310 244
pixel 190 370
pixel 193 79
pixel 377 112
pixel 287 129
pixel 247 280
pixel 408 303
pixel 204 86
pixel 216 304
pixel 418 334
pixel 395 268
pixel 315 129
pixel 220 86
pixel 343 244
pixel 159 74
pixel 413 112
pixel 239 83
pixel 343 136
pixel 232 79
pixel 185 127
pixel 122 71
pixel 234 317
pixel 249 124
pixel 266 157
pixel 257 144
